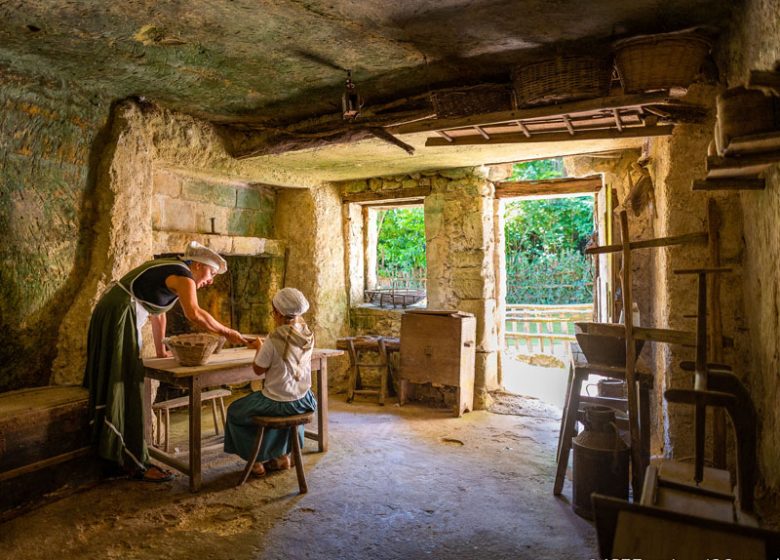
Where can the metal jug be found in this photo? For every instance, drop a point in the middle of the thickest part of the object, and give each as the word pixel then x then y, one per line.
pixel 600 460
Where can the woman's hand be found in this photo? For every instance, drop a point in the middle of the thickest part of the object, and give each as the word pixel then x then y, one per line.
pixel 255 343
pixel 236 337
pixel 165 353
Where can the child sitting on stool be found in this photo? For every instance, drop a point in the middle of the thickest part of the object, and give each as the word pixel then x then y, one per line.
pixel 285 360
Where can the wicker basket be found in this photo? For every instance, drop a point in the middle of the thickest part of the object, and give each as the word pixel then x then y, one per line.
pixel 652 62
pixel 192 349
pixel 220 344
pixel 485 98
pixel 742 112
pixel 563 78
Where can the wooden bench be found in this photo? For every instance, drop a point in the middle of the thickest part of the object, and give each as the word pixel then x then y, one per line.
pixel 162 411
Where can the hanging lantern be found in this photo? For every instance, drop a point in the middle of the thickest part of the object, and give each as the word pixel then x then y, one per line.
pixel 351 102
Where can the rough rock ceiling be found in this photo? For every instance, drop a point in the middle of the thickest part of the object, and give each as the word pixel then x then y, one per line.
pixel 255 62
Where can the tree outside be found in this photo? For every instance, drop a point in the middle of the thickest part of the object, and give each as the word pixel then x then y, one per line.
pixel 400 250
pixel 545 243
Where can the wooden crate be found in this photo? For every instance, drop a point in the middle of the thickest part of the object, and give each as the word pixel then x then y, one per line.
pixel 439 347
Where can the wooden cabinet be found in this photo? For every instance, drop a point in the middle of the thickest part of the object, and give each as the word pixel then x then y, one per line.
pixel 438 347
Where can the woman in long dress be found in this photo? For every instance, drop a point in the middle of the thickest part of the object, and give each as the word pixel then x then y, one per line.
pixel 114 373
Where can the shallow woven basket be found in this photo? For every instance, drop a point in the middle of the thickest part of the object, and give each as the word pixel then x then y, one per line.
pixel 220 344
pixel 485 98
pixel 192 349
pixel 652 62
pixel 563 78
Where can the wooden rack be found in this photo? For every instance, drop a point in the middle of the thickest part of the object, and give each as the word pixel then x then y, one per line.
pixel 625 116
pixel 745 158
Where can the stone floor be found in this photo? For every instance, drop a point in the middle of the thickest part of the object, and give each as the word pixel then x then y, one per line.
pixel 398 482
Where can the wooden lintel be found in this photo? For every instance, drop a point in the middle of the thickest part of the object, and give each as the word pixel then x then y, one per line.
pixel 698 237
pixel 607 103
pixel 764 80
pixel 400 194
pixel 726 184
pixel 576 185
pixel 513 138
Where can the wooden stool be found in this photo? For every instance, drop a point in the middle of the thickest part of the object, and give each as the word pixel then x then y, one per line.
pixel 166 406
pixel 356 346
pixel 290 423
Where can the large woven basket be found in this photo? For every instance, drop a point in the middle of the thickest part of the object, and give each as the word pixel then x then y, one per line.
pixel 484 98
pixel 653 62
pixel 192 349
pixel 562 78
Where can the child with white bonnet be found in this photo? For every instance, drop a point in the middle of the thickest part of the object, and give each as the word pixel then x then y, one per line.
pixel 285 360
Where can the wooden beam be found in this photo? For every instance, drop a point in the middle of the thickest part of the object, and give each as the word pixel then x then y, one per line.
pixel 444 135
pixel 482 132
pixel 524 128
pixel 512 138
pixel 698 237
pixel 764 80
pixel 739 166
pixel 753 143
pixel 575 185
pixel 734 184
pixel 607 103
pixel 414 192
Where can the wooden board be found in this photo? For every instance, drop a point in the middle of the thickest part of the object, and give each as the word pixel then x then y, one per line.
pixel 40 423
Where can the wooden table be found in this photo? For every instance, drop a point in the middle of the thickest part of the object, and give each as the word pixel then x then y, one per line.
pixel 233 365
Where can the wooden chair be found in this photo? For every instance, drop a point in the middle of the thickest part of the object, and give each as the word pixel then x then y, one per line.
pixel 357 347
pixel 162 411
pixel 290 423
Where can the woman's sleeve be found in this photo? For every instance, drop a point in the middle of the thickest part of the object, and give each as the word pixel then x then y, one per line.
pixel 265 356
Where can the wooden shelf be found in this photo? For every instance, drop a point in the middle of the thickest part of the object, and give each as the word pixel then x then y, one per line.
pixel 729 184
pixel 754 143
pixel 749 165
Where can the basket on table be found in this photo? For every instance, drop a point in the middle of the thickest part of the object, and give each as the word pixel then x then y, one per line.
pixel 562 78
pixel 664 61
pixel 484 98
pixel 192 349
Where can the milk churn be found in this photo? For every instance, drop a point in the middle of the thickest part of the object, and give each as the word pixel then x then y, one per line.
pixel 600 460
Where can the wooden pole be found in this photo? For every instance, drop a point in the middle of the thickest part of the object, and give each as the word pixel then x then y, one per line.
pixel 716 330
pixel 637 459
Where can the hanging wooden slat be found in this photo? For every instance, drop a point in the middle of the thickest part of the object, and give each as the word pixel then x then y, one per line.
pixel 444 135
pixel 524 129
pixel 697 237
pixel 482 132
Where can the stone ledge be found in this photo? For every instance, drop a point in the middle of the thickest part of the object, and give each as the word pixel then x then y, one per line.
pixel 230 245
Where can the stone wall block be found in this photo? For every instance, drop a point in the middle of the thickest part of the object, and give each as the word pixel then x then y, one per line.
pixel 167 183
pixel 249 223
pixel 247 197
pixel 485 312
pixel 202 191
pixel 391 185
pixel 486 371
pixel 180 215
pixel 158 207
pixel 375 184
pixel 458 173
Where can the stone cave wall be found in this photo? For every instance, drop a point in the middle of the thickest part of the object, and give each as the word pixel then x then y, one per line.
pixel 460 245
pixel 754 44
pixel 48 142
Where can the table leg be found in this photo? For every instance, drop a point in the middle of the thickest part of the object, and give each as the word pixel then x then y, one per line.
pixel 569 422
pixel 322 405
pixel 195 433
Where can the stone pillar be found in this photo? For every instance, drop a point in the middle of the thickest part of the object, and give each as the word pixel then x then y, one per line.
pixel 310 221
pixel 122 230
pixel 459 233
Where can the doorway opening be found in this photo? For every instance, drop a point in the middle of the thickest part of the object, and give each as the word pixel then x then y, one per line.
pixel 549 280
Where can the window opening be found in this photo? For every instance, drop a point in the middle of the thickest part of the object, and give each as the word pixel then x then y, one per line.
pixel 397 273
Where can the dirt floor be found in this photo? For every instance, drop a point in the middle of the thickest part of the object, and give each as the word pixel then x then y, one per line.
pixel 398 482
